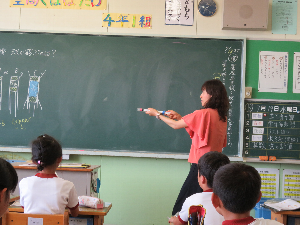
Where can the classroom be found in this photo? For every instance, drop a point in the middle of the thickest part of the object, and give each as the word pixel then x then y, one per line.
pixel 140 174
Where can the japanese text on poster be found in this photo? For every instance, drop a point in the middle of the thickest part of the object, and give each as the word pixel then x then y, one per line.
pixel 273 72
pixel 284 17
pixel 179 12
pixel 291 184
pixel 269 182
pixel 296 73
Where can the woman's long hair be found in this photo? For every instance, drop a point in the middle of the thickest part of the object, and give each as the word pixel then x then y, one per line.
pixel 219 99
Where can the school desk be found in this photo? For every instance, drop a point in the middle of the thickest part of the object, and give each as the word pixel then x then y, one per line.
pixel 84 179
pixel 98 214
pixel 13 198
pixel 282 216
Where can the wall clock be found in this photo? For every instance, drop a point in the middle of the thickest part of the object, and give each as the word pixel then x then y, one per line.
pixel 207 7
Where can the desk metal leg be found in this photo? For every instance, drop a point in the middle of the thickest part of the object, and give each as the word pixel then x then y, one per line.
pixel 98 220
pixel 282 218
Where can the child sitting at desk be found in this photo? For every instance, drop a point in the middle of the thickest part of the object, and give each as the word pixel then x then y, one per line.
pixel 208 164
pixel 45 193
pixel 8 183
pixel 236 192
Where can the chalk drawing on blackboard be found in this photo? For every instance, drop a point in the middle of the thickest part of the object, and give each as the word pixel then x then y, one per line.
pixel 14 88
pixel 233 58
pixel 0 90
pixel 33 92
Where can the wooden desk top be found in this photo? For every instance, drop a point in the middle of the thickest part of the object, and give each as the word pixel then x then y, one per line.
pixel 294 212
pixel 14 198
pixel 16 165
pixel 82 210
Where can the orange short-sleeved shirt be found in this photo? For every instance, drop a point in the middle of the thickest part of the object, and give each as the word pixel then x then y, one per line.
pixel 207 131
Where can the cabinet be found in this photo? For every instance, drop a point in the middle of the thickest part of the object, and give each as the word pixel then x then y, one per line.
pixel 86 180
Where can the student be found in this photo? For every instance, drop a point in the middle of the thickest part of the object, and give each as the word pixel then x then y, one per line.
pixel 208 164
pixel 207 128
pixel 45 193
pixel 236 191
pixel 8 183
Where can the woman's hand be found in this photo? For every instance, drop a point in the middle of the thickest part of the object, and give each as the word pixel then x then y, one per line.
pixel 173 121
pixel 151 112
pixel 173 115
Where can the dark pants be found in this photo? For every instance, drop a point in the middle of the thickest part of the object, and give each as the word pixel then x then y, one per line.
pixel 189 187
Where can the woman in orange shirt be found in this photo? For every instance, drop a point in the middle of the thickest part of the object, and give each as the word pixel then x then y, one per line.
pixel 207 128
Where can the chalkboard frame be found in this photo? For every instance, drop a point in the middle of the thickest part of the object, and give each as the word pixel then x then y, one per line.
pixel 242 87
pixel 267 101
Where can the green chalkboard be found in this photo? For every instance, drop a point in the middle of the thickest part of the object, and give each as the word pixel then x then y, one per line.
pixel 85 90
pixel 282 142
pixel 272 128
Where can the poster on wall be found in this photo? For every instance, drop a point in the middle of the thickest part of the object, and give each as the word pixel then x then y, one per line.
pixel 269 182
pixel 284 17
pixel 291 184
pixel 179 12
pixel 122 20
pixel 273 72
pixel 60 4
pixel 296 73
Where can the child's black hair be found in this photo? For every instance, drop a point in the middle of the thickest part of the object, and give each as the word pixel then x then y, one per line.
pixel 209 163
pixel 9 177
pixel 45 151
pixel 238 187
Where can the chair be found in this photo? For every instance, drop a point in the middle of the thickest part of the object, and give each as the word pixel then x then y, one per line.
pixel 17 218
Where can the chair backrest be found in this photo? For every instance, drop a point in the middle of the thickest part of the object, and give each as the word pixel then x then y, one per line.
pixel 16 218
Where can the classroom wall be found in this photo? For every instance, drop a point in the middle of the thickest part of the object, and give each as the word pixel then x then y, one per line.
pixel 142 190
pixel 89 21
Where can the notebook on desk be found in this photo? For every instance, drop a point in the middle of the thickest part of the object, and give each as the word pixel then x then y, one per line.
pixel 284 205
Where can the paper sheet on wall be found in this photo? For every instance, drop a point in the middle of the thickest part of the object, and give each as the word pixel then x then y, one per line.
pixel 179 12
pixel 59 4
pixel 273 72
pixel 269 182
pixel 291 184
pixel 284 17
pixel 296 73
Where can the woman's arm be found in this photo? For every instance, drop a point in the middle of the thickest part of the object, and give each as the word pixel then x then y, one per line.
pixel 175 124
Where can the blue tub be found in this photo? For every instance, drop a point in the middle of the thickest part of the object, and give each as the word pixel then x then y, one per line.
pixel 261 212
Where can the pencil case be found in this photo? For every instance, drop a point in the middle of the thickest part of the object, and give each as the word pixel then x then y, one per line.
pixel 91 202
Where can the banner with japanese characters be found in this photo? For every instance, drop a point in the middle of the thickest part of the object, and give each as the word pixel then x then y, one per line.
pixel 120 20
pixel 60 4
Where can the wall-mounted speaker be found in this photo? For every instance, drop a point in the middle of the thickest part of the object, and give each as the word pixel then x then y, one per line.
pixel 245 14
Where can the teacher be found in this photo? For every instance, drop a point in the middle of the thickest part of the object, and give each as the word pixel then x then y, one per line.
pixel 207 128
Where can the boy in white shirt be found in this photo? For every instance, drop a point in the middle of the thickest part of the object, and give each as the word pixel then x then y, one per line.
pixel 198 207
